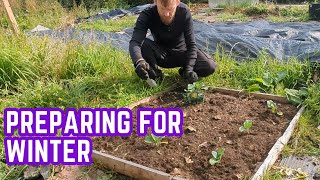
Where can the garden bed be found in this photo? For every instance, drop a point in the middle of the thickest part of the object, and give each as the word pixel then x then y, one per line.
pixel 208 126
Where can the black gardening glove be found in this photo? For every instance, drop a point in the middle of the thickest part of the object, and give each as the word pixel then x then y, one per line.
pixel 143 69
pixel 191 76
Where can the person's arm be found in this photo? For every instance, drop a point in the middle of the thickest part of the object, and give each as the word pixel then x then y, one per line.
pixel 190 42
pixel 138 36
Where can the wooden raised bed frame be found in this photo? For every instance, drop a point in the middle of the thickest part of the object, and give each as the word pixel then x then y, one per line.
pixel 145 173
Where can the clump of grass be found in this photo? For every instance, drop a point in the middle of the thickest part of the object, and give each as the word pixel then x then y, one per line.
pixel 13 66
pixel 94 60
pixel 114 25
pixel 43 94
pixel 306 138
pixel 260 9
pixel 232 17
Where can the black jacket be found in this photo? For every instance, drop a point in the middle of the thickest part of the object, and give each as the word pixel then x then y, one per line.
pixel 178 36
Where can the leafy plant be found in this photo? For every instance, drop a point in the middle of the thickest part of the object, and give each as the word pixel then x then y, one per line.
pixel 312 101
pixel 157 140
pixel 194 93
pixel 274 107
pixel 267 83
pixel 297 97
pixel 247 124
pixel 216 156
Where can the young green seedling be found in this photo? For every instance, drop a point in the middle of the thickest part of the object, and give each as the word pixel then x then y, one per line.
pixel 216 156
pixel 247 124
pixel 194 93
pixel 157 140
pixel 274 107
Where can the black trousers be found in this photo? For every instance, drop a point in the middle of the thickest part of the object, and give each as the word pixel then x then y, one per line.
pixel 167 58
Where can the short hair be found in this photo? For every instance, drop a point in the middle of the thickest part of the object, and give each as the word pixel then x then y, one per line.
pixel 166 3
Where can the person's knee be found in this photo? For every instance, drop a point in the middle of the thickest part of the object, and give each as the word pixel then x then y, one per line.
pixel 212 66
pixel 206 65
pixel 210 69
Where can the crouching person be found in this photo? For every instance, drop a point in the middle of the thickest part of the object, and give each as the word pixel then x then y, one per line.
pixel 173 44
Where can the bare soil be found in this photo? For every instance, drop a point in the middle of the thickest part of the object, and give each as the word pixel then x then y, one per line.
pixel 208 126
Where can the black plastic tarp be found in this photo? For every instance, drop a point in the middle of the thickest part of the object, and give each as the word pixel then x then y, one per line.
pixel 247 40
pixel 241 40
pixel 114 14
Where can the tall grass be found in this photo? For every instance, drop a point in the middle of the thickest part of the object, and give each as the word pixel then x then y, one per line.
pixel 306 138
pixel 49 13
pixel 14 66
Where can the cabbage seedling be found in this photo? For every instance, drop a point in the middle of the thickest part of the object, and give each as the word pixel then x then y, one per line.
pixel 247 124
pixel 157 140
pixel 216 156
pixel 274 107
pixel 194 93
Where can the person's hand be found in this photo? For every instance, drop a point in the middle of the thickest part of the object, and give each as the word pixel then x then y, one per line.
pixel 191 76
pixel 142 68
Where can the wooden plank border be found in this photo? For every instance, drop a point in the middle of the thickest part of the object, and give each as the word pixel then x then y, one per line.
pixel 130 168
pixel 280 99
pixel 277 147
pixel 145 173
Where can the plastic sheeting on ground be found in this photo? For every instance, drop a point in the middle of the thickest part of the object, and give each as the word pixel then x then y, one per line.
pixel 247 40
pixel 114 14
pixel 241 40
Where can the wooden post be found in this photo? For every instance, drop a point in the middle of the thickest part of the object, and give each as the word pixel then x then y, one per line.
pixel 11 16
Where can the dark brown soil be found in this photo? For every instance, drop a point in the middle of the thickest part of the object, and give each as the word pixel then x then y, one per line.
pixel 216 121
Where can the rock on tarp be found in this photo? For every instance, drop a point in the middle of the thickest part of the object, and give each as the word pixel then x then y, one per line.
pixel 241 40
